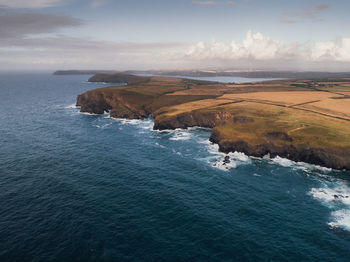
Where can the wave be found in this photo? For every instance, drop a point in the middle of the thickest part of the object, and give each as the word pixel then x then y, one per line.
pixel 341 219
pixel 102 126
pixel 88 114
pixel 214 150
pixel 142 123
pixel 332 196
pixel 187 134
pixel 231 160
pixel 224 161
pixel 181 135
pixel 159 145
pixel 335 196
pixel 72 106
pixel 297 165
pixel 92 114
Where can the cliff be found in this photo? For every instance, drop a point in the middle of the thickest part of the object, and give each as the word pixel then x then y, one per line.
pixel 278 144
pixel 310 126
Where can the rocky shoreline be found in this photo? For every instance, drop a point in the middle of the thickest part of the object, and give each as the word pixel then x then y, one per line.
pixel 91 102
pixel 130 105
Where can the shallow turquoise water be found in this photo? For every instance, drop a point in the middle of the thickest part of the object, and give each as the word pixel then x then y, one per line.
pixel 77 187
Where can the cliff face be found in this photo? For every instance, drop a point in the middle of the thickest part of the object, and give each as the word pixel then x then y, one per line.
pixel 330 158
pixel 274 143
pixel 249 127
pixel 98 102
pixel 93 103
pixel 197 118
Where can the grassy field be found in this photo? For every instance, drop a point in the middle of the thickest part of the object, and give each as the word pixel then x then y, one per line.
pixel 305 128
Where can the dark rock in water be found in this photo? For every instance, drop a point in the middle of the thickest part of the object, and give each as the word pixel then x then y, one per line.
pixel 227 160
pixel 340 196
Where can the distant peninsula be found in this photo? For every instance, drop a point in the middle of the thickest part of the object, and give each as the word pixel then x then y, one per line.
pixel 212 73
pixel 306 120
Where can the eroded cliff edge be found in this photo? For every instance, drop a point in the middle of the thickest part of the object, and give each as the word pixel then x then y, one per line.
pixel 256 129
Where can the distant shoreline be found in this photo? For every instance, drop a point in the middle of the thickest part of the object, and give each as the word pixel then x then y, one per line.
pixel 203 73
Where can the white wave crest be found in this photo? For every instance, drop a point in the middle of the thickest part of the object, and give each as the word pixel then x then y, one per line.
pixel 332 196
pixel 142 123
pixel 229 161
pixel 341 219
pixel 159 145
pixel 181 135
pixel 220 164
pixel 240 156
pixel 298 165
pixel 72 106
pixel 102 126
pixel 88 114
pixel 337 198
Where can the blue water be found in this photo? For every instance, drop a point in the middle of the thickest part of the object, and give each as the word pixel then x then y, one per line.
pixel 77 187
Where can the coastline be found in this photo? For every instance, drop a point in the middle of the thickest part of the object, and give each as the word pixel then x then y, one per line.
pixel 176 103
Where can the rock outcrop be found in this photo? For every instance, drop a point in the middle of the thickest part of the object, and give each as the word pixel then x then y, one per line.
pixel 98 102
pixel 198 118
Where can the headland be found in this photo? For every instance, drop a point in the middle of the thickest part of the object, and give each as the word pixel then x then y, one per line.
pixel 304 120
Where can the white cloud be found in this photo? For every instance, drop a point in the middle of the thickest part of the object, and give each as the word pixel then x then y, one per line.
pixel 338 50
pixel 257 47
pixel 255 51
pixel 254 46
pixel 31 4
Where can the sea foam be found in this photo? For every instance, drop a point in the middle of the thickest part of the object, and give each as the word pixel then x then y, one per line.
pixel 72 106
pixel 335 196
pixel 341 219
pixel 181 135
pixel 297 165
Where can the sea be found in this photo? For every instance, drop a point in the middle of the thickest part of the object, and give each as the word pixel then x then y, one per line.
pixel 81 187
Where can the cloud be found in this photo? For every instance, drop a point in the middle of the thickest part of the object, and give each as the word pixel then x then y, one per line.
pixel 204 2
pixel 257 47
pixel 34 49
pixel 98 3
pixel 322 7
pixel 337 50
pixel 16 26
pixel 254 46
pixel 307 14
pixel 31 4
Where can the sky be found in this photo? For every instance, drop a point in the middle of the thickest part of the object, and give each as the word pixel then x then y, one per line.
pixel 296 35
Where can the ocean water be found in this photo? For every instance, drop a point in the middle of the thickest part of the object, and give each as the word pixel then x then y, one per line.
pixel 77 187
